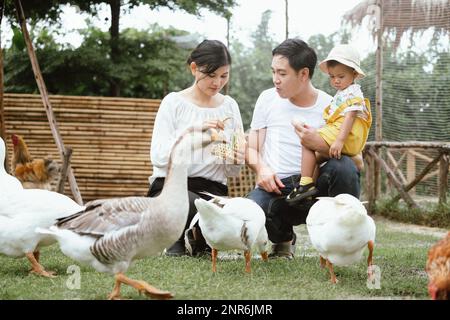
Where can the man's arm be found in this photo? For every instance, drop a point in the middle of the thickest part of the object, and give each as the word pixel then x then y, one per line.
pixel 265 177
pixel 308 134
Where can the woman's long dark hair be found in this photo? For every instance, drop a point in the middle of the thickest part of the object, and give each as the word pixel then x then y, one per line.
pixel 209 56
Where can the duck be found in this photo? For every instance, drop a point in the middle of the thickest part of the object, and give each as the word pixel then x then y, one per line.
pixel 8 183
pixel 340 230
pixel 112 233
pixel 230 224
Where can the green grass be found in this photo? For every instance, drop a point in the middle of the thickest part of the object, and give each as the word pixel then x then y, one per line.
pixel 400 255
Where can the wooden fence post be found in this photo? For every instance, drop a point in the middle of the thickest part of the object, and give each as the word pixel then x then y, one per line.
pixel 443 176
pixel 393 179
pixel 411 169
pixel 369 177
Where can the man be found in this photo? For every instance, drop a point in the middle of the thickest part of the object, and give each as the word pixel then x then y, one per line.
pixel 274 151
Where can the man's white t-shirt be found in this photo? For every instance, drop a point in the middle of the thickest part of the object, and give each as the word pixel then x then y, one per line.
pixel 282 149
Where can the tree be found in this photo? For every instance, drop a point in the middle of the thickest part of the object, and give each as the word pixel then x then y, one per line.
pixel 50 10
pixel 150 64
pixel 253 65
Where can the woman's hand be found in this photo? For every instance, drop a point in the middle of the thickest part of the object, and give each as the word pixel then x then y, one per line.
pixel 216 124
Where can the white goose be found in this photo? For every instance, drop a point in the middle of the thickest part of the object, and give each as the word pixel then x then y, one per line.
pixel 231 223
pixel 340 229
pixel 8 183
pixel 22 211
pixel 111 233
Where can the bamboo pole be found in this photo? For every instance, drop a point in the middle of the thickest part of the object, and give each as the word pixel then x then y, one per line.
pixel 63 175
pixel 45 100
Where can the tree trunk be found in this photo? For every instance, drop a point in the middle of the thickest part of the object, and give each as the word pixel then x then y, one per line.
pixel 379 92
pixel 227 86
pixel 287 18
pixel 114 44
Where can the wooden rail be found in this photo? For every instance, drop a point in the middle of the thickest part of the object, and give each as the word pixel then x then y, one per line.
pixel 405 186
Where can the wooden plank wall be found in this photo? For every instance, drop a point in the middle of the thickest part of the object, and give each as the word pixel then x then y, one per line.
pixel 110 138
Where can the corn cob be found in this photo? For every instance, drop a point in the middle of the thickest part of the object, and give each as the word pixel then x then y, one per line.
pixel 226 150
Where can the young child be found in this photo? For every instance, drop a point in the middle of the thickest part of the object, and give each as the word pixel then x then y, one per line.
pixel 348 119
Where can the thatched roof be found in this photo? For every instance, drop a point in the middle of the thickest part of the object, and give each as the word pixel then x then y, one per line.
pixel 403 15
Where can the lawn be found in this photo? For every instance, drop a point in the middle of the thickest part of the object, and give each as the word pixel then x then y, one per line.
pixel 400 254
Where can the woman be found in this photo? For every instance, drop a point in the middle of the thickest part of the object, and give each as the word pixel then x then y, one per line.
pixel 201 103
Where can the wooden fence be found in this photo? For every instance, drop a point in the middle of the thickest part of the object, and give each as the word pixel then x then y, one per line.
pixel 110 138
pixel 406 165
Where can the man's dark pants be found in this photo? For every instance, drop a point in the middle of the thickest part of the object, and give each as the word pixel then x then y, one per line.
pixel 336 177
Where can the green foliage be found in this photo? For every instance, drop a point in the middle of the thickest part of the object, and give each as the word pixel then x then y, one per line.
pixel 149 65
pixel 433 215
pixel 251 68
pixel 322 45
pixel 50 10
pixel 17 40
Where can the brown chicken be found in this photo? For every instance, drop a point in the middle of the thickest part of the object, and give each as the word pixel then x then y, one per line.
pixel 32 173
pixel 438 269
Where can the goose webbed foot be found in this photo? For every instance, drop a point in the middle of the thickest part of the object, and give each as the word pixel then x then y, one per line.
pixel 44 273
pixel 139 285
pixel 38 269
pixel 115 294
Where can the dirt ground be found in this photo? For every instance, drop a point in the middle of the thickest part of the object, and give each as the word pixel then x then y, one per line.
pixel 405 227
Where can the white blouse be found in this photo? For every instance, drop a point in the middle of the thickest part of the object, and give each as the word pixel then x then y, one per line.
pixel 174 116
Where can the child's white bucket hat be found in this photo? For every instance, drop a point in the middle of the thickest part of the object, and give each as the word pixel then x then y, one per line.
pixel 344 54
